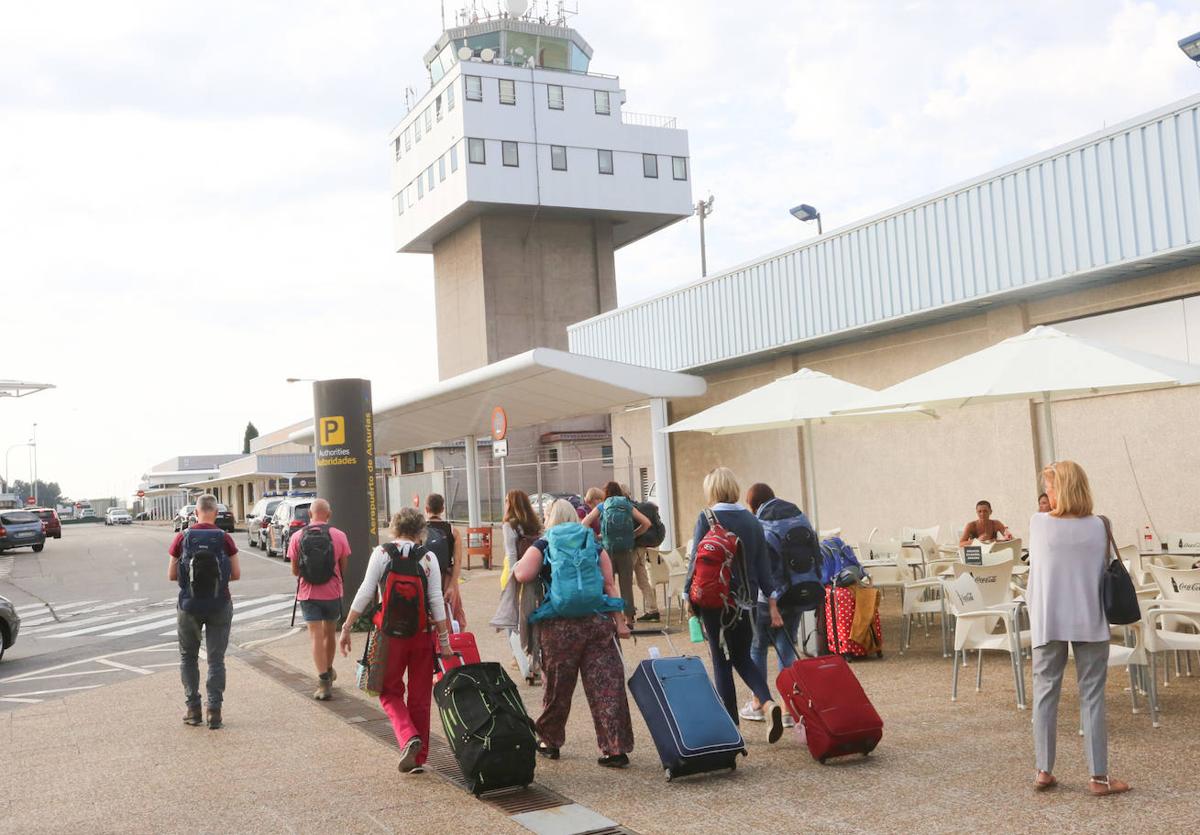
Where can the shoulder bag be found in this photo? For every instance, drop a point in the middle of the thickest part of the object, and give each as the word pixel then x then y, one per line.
pixel 1117 591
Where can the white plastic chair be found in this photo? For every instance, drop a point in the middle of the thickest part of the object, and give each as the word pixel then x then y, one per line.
pixel 1179 589
pixel 978 599
pixel 828 532
pixel 676 565
pixel 924 598
pixel 908 534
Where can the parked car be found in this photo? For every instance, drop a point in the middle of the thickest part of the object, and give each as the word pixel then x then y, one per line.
pixel 184 517
pixel 290 516
pixel 86 512
pixel 224 519
pixel 117 516
pixel 258 520
pixel 21 529
pixel 51 524
pixel 10 624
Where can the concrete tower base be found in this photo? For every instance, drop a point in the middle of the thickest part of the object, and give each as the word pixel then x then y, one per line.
pixel 512 281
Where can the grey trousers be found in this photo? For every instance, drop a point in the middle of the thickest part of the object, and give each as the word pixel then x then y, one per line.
pixel 1091 672
pixel 216 628
pixel 622 563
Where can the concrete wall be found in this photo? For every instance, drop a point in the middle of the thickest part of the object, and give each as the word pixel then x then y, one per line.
pixel 890 474
pixel 509 282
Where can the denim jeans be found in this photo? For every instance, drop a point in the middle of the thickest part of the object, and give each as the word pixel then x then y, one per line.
pixel 765 636
pixel 735 655
pixel 216 628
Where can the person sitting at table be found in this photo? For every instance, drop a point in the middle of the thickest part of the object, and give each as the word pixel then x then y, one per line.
pixel 984 528
pixel 1044 504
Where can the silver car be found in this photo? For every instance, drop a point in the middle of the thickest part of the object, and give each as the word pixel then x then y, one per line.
pixel 10 625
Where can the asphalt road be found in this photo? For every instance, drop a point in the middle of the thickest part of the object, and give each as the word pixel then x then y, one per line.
pixel 96 607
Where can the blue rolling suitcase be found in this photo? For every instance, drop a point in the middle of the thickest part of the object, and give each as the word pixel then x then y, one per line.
pixel 691 729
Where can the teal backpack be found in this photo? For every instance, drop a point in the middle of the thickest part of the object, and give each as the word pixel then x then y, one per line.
pixel 576 583
pixel 616 524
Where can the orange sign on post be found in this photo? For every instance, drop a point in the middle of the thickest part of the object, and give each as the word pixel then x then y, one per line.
pixel 479 544
pixel 499 424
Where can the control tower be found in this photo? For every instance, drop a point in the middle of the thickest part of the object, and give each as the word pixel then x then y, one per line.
pixel 521 172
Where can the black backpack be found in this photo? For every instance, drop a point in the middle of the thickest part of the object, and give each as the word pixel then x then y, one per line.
pixel 654 535
pixel 439 543
pixel 205 569
pixel 318 561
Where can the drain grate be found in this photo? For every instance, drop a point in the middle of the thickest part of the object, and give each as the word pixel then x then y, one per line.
pixel 375 723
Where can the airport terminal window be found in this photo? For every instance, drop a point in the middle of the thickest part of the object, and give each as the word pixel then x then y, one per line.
pixel 429 176
pixel 453 158
pixel 552 457
pixel 416 126
pixel 679 168
pixel 605 160
pixel 508 154
pixel 602 104
pixel 441 168
pixel 554 96
pixel 508 91
pixel 449 98
pixel 650 165
pixel 428 120
pixel 408 139
pixel 606 455
pixel 476 152
pixel 397 147
pixel 400 203
pixel 474 88
pixel 437 108
pixel 412 462
pixel 558 157
pixel 420 187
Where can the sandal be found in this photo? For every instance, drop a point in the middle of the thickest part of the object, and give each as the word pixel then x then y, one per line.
pixel 1102 787
pixel 1040 785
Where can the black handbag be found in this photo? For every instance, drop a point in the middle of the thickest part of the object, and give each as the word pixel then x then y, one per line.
pixel 1117 591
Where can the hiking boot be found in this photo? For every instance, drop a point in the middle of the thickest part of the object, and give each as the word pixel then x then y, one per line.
pixel 193 716
pixel 324 691
pixel 649 617
pixel 408 754
pixel 214 719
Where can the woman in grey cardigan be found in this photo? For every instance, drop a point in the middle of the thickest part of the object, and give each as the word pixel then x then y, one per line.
pixel 1068 551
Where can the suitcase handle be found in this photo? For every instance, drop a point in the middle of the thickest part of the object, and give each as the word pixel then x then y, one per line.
pixel 437 662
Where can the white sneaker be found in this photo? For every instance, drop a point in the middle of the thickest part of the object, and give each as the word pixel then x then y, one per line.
pixel 788 721
pixel 754 714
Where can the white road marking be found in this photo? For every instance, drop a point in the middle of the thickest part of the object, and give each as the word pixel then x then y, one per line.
pixel 56 607
pixel 142 619
pixel 22 701
pixel 48 692
pixel 238 616
pixel 66 675
pixel 262 641
pixel 25 625
pixel 29 607
pixel 108 662
pixel 63 666
pixel 163 664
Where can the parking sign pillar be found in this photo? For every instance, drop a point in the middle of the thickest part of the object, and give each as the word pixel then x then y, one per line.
pixel 345 461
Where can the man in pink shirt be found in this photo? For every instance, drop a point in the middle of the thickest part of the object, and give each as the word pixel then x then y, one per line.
pixel 318 557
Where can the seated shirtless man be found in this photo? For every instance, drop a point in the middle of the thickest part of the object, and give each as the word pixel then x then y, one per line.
pixel 984 527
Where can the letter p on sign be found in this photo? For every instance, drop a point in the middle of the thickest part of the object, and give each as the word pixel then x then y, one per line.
pixel 333 431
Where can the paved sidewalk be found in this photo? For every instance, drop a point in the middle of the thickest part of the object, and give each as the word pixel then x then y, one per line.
pixel 118 759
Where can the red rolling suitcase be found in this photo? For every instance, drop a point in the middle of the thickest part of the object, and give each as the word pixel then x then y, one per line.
pixel 465 650
pixel 824 697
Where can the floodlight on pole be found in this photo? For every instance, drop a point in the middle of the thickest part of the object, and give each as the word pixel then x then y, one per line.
pixel 805 213
pixel 1191 47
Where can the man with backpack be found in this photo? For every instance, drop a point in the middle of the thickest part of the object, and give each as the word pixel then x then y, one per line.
pixel 647 549
pixel 318 556
pixel 442 543
pixel 204 561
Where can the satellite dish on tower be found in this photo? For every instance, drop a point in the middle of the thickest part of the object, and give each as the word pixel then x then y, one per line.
pixel 487 54
pixel 465 53
pixel 520 50
pixel 516 8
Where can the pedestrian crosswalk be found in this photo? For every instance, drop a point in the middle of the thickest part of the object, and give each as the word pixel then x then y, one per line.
pixel 132 616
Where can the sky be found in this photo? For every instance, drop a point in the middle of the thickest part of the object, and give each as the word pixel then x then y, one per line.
pixel 195 202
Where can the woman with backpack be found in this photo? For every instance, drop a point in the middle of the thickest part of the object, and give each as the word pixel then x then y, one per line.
pixel 577 625
pixel 399 565
pixel 520 527
pixel 620 525
pixel 727 534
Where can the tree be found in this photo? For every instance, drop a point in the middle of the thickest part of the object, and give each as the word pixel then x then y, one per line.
pixel 251 434
pixel 48 495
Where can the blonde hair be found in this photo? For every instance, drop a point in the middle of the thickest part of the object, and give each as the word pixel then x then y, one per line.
pixel 408 523
pixel 594 496
pixel 1073 494
pixel 560 512
pixel 720 485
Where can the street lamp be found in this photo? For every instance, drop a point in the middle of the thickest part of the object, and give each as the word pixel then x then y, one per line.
pixel 805 213
pixel 300 380
pixel 1191 47
pixel 7 483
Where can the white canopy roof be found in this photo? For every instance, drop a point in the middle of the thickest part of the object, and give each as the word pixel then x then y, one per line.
pixel 536 387
pixel 17 388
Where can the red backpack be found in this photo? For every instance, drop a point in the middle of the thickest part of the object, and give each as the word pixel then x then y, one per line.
pixel 714 567
pixel 403 611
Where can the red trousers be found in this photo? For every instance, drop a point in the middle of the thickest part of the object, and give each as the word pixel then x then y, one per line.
pixel 410 658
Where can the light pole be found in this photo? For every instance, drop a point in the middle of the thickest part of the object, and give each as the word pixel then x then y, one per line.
pixel 33 441
pixel 1191 47
pixel 805 213
pixel 704 208
pixel 7 483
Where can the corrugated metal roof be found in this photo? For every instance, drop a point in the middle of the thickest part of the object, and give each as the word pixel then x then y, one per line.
pixel 1122 199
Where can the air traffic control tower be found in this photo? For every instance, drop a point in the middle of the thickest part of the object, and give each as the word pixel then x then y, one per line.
pixel 522 173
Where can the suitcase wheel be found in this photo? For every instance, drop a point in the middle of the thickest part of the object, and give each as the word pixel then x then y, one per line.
pixel 733 765
pixel 669 773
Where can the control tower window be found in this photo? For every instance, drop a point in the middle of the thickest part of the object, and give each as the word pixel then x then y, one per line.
pixel 554 96
pixel 650 165
pixel 428 120
pixel 679 168
pixel 602 104
pixel 508 91
pixel 474 88
pixel 476 152
pixel 604 158
pixel 449 98
pixel 508 154
pixel 558 157
pixel 397 143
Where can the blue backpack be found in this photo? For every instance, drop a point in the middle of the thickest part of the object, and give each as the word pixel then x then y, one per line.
pixel 795 561
pixel 616 524
pixel 836 555
pixel 576 583
pixel 204 570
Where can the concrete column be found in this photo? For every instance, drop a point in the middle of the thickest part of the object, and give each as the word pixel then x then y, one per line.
pixel 474 515
pixel 660 446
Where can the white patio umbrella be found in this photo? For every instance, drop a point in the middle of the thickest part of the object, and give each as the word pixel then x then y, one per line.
pixel 797 400
pixel 1043 364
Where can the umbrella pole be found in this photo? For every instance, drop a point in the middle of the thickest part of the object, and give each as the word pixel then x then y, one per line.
pixel 810 475
pixel 1047 431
